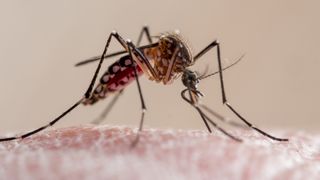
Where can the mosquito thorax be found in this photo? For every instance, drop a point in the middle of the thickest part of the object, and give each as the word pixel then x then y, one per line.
pixel 170 58
pixel 169 42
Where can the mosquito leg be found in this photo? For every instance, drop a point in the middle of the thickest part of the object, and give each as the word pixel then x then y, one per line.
pixel 136 55
pixel 86 95
pixel 43 127
pixel 98 120
pixel 97 58
pixel 145 30
pixel 205 118
pixel 143 105
pixel 222 118
pixel 205 121
pixel 122 42
pixel 142 61
pixel 192 104
pixel 217 127
pixel 224 98
pixel 106 111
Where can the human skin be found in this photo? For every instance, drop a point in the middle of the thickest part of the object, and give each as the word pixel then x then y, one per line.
pixel 104 152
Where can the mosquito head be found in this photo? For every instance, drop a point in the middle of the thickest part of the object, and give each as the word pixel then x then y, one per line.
pixel 190 79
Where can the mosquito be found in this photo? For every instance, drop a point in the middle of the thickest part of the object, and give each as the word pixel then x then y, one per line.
pixel 162 61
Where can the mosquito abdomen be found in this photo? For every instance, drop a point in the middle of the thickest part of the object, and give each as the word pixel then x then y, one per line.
pixel 117 77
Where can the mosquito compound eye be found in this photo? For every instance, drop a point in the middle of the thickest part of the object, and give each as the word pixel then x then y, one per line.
pixel 193 76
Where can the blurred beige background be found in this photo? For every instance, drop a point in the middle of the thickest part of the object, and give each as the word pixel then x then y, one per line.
pixel 275 86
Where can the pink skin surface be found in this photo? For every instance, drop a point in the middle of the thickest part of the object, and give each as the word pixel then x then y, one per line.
pixel 103 152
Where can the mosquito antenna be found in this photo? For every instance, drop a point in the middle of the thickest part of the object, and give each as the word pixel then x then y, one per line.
pixel 203 72
pixel 225 68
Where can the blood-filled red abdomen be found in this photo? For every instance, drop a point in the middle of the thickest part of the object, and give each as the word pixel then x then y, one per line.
pixel 118 76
